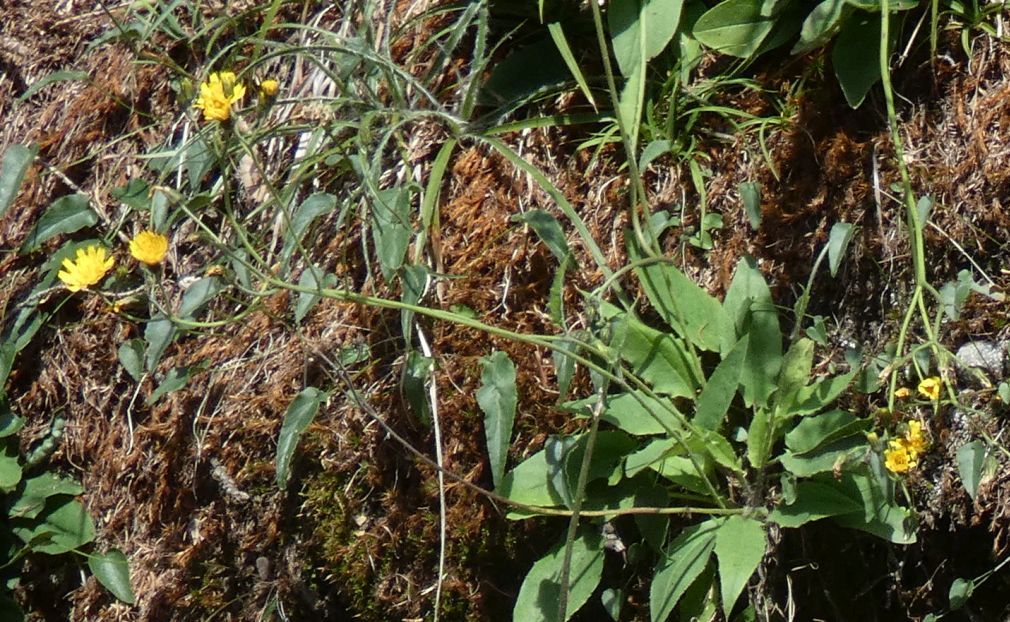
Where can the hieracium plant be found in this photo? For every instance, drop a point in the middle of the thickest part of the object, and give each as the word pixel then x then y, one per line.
pixel 707 429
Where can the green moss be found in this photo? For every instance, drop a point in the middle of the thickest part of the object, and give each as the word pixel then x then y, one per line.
pixel 211 594
pixel 343 561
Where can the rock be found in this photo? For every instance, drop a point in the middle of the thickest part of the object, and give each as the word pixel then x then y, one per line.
pixel 987 356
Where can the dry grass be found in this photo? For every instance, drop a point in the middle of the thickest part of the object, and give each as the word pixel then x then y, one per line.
pixel 193 504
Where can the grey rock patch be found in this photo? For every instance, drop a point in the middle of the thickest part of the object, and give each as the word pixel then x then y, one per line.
pixel 987 356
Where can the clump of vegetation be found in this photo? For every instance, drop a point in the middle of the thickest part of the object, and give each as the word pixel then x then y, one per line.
pixel 446 311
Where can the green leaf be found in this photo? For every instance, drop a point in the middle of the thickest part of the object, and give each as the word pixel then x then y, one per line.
pixel 734 27
pixel 135 193
pixel 416 375
pixel 131 357
pixel 160 202
pixel 557 33
pixel 639 415
pixel 10 424
pixel 556 294
pixel 641 29
pixel 528 484
pixel 612 600
pixel 158 334
pixel 699 603
pixel 924 207
pixel 52 78
pixel 960 591
pixel 65 215
pixel 838 241
pixel 198 159
pixel 541 589
pixel 815 432
pixel 874 5
pixel 312 207
pixel 652 151
pixel 64 525
pixel 749 304
pixel 822 393
pixel 13 167
pixel 564 366
pixel 624 24
pixel 497 397
pixel 814 501
pixel 684 560
pixel 719 391
pixel 687 308
pixel 750 194
pixel 10 466
pixel 548 230
pixel 894 524
pixel 856 57
pixel 830 457
pixel 316 278
pixel 175 379
pixel 759 438
pixel 391 228
pixel 631 103
pixel 659 358
pixel 556 450
pixel 414 281
pixel 29 499
pixel 609 450
pixel 881 516
pixel 523 73
pixel 113 571
pixel 820 25
pixel 970 460
pixel 652 527
pixel 796 366
pixel 299 415
pixel 668 458
pixel 198 295
pixel 716 446
pixel 739 547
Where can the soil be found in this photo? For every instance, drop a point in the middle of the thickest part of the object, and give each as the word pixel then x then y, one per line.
pixel 185 488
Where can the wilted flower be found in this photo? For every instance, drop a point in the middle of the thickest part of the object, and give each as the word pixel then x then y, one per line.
pixel 149 247
pixel 217 95
pixel 902 393
pixel 88 268
pixel 269 88
pixel 930 388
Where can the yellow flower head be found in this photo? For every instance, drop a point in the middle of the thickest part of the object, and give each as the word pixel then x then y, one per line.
pixel 149 247
pixel 902 393
pixel 269 88
pixel 930 388
pixel 217 95
pixel 914 440
pixel 897 458
pixel 88 268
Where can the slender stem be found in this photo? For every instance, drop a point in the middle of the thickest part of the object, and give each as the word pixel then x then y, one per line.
pixel 580 489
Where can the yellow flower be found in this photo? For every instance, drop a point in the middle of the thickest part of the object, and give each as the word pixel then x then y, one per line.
pixel 87 269
pixel 930 388
pixel 217 95
pixel 914 440
pixel 269 88
pixel 149 247
pixel 897 458
pixel 902 393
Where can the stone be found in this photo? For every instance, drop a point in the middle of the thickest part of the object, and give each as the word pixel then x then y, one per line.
pixel 987 356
